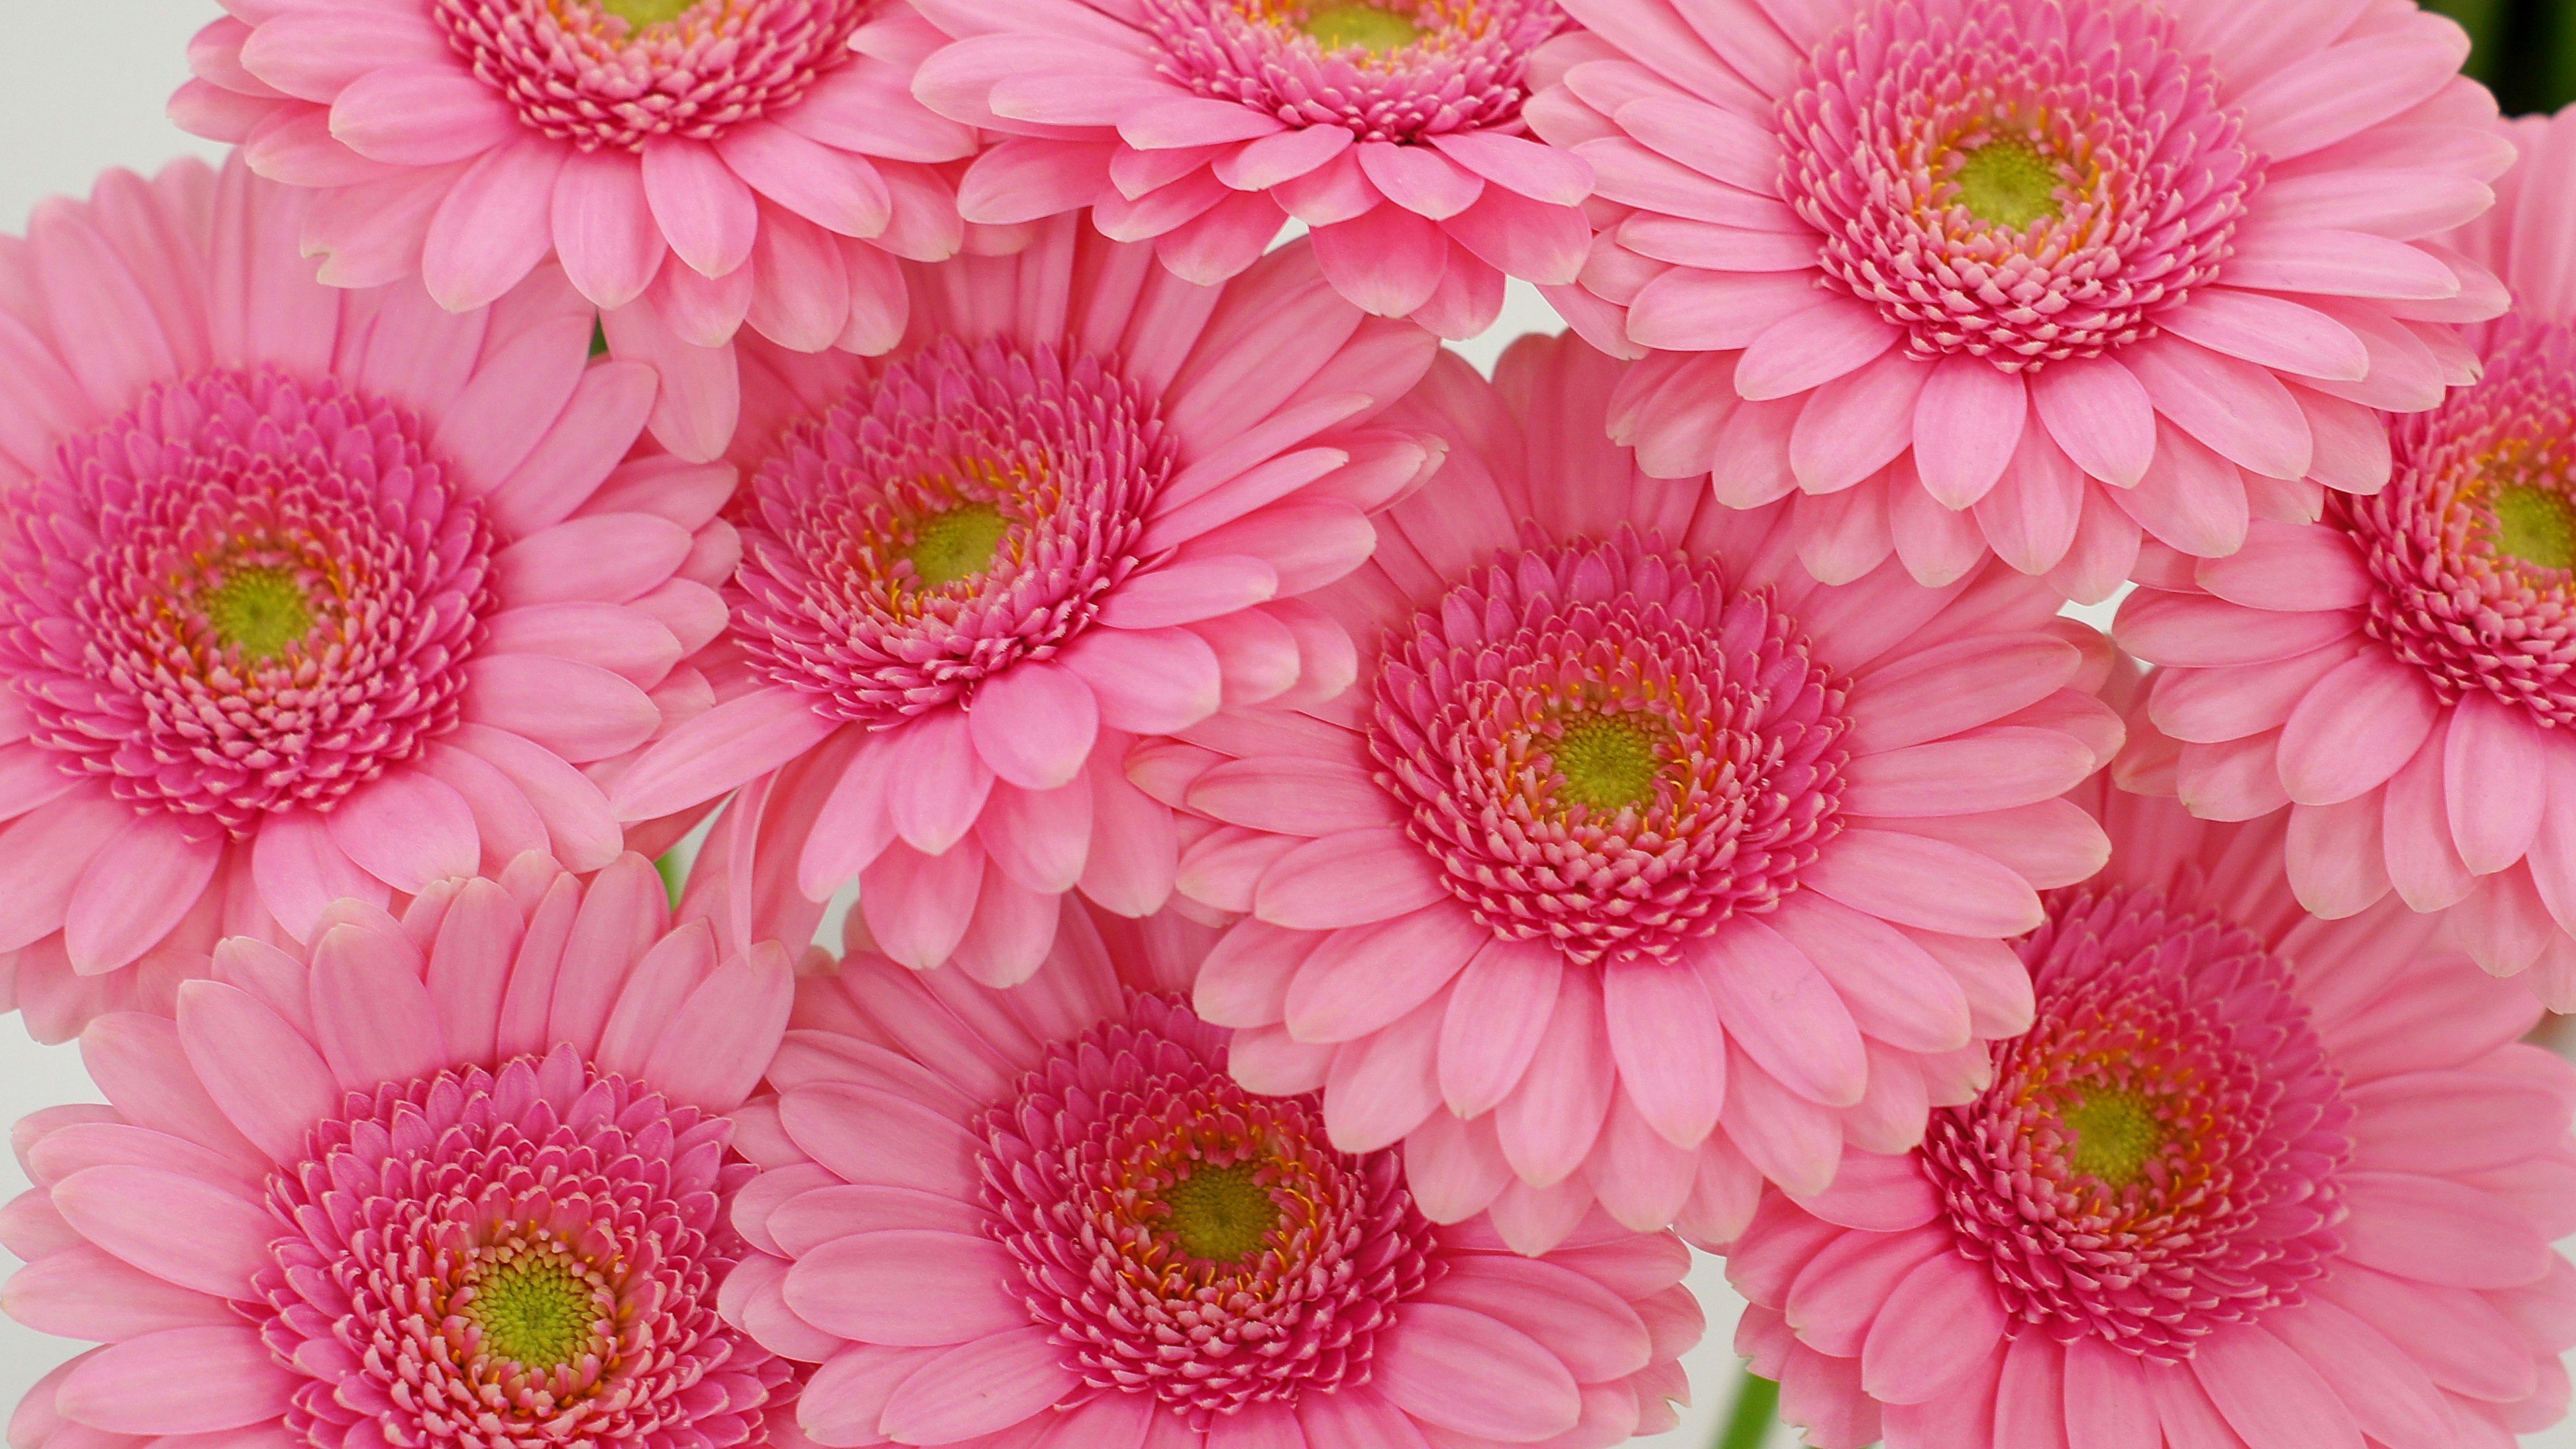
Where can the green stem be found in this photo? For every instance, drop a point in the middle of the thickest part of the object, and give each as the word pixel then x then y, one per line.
pixel 1757 1406
pixel 675 875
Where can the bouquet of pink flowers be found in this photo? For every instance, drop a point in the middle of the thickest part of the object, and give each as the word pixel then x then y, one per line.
pixel 1226 879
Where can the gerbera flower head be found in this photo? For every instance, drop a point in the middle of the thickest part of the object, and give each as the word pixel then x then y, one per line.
pixel 1393 130
pixel 1641 867
pixel 1049 1214
pixel 694 166
pixel 307 593
pixel 1078 505
pixel 462 1176
pixel 2393 674
pixel 2029 277
pixel 2249 1176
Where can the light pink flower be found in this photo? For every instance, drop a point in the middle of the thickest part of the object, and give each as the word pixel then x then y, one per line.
pixel 2024 276
pixel 1640 867
pixel 1392 128
pixel 1048 1216
pixel 2252 1178
pixel 1078 505
pixel 458 1178
pixel 693 166
pixel 304 592
pixel 2393 675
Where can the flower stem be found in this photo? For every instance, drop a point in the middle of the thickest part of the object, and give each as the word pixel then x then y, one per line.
pixel 1756 1406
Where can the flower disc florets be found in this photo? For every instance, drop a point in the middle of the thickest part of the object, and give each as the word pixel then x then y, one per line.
pixel 521 1258
pixel 2473 541
pixel 1607 748
pixel 621 73
pixel 1403 70
pixel 1186 1238
pixel 946 516
pixel 2016 181
pixel 251 593
pixel 2158 1154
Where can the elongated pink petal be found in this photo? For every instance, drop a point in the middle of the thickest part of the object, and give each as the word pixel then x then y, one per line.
pixel 178 1381
pixel 1470 1373
pixel 1035 725
pixel 179 1229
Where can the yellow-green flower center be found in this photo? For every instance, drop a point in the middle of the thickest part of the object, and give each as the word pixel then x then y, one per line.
pixel 2535 525
pixel 2007 183
pixel 1220 1214
pixel 534 1310
pixel 957 544
pixel 1373 28
pixel 1609 761
pixel 644 13
pixel 2116 1133
pixel 258 611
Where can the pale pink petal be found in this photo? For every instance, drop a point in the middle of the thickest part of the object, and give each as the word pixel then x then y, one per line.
pixel 263 1073
pixel 494 227
pixel 979 1388
pixel 908 1288
pixel 138 888
pixel 1937 1325
pixel 604 229
pixel 1467 1372
pixel 1348 879
pixel 182 1230
pixel 1364 979
pixel 421 115
pixel 178 1381
pixel 1498 1013
pixel 407 829
pixel 706 212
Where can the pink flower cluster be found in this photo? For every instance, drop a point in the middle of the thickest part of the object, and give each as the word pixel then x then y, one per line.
pixel 1226 879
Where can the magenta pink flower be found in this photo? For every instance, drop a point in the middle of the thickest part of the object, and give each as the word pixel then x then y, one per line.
pixel 1048 1216
pixel 2393 675
pixel 2028 277
pixel 693 165
pixel 458 1178
pixel 1079 505
pixel 1641 867
pixel 306 593
pixel 2251 1178
pixel 1392 128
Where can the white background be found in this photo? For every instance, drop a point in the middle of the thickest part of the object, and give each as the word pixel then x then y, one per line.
pixel 82 88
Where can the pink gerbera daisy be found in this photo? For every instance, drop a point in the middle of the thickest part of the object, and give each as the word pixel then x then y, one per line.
pixel 1391 128
pixel 2026 276
pixel 1640 867
pixel 1048 1216
pixel 2396 674
pixel 306 593
pixel 695 164
pixel 2252 1178
pixel 1078 505
pixel 461 1178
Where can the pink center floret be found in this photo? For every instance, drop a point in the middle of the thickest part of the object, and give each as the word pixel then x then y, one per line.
pixel 2473 540
pixel 586 72
pixel 1185 1238
pixel 948 515
pixel 2158 1155
pixel 1607 748
pixel 251 593
pixel 2015 181
pixel 1398 70
pixel 525 1258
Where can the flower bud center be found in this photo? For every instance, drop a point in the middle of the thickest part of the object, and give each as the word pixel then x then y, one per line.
pixel 259 611
pixel 1373 28
pixel 1220 1214
pixel 2007 183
